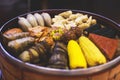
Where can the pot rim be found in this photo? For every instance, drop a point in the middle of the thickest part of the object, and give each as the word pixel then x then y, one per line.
pixel 62 72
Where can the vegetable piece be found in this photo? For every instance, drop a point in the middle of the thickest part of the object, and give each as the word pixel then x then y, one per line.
pixel 35 54
pixel 30 56
pixel 91 29
pixel 24 23
pixel 47 19
pixel 107 32
pixel 107 45
pixel 39 19
pixel 59 58
pixel 101 30
pixel 76 57
pixel 56 33
pixel 92 54
pixel 32 20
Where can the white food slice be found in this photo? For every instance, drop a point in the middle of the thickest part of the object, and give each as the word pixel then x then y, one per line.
pixel 24 23
pixel 66 14
pixel 47 19
pixel 39 19
pixel 32 20
pixel 25 56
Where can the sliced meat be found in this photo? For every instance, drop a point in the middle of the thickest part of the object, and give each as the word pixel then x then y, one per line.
pixel 107 45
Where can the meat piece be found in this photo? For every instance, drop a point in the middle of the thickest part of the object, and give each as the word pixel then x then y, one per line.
pixel 39 31
pixel 69 35
pixel 107 45
pixel 16 36
pixel 13 31
pixel 19 45
pixel 77 31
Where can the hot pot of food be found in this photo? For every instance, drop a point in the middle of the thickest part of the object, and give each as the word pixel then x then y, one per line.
pixel 60 44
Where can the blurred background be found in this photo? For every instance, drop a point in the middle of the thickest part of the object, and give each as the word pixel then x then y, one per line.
pixel 13 8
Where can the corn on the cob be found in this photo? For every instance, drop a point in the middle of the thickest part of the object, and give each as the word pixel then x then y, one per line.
pixel 76 57
pixel 92 54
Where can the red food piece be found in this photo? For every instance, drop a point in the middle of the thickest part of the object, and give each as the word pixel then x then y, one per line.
pixel 107 45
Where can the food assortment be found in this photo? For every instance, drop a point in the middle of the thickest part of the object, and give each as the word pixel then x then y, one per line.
pixel 66 41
